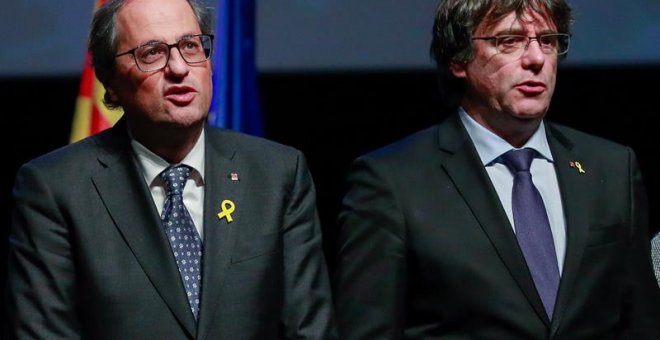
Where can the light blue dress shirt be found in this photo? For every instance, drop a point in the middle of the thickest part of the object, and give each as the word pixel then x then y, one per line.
pixel 490 146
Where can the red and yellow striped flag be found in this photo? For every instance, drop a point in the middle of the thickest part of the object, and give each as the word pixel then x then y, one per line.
pixel 91 115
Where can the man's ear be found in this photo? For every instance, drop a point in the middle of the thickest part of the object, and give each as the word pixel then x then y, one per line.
pixel 109 96
pixel 457 69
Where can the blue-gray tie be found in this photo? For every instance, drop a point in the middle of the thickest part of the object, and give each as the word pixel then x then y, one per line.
pixel 532 227
pixel 182 234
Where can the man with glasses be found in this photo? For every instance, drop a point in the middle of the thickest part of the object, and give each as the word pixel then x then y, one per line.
pixel 162 227
pixel 495 223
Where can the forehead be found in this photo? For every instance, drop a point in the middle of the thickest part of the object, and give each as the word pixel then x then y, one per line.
pixel 524 22
pixel 139 21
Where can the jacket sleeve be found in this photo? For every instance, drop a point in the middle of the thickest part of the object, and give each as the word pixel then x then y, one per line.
pixel 371 265
pixel 41 269
pixel 308 312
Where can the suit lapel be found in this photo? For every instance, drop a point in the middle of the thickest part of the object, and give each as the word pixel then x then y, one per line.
pixel 129 203
pixel 573 190
pixel 222 181
pixel 471 180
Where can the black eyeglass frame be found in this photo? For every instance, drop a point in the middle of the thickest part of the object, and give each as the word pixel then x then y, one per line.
pixel 169 48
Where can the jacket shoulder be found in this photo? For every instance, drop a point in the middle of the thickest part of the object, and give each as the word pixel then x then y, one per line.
pixel 410 147
pixel 583 138
pixel 252 149
pixel 78 155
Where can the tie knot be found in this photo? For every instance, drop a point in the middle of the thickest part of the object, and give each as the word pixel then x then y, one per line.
pixel 519 160
pixel 175 178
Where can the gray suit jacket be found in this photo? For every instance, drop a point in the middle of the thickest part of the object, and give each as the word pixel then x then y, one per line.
pixel 89 259
pixel 426 250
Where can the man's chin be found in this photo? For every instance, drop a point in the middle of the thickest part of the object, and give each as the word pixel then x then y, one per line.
pixel 530 112
pixel 186 118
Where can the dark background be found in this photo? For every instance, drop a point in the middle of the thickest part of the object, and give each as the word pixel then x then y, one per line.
pixel 335 116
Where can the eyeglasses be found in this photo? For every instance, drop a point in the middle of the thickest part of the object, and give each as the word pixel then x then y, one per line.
pixel 552 43
pixel 155 55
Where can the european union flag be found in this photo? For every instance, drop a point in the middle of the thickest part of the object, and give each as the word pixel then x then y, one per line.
pixel 235 103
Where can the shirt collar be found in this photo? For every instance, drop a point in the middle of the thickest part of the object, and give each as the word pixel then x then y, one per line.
pixel 152 165
pixel 490 146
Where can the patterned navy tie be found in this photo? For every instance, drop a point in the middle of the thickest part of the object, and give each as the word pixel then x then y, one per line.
pixel 180 230
pixel 533 228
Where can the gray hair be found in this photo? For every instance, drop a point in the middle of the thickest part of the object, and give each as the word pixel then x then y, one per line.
pixel 103 36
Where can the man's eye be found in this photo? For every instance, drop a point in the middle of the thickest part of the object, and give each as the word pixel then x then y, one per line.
pixel 150 54
pixel 510 41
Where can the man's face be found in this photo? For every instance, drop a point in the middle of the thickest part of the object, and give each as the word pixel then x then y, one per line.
pixel 504 90
pixel 179 94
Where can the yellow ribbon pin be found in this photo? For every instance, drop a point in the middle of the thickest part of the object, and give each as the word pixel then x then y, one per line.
pixel 578 166
pixel 228 208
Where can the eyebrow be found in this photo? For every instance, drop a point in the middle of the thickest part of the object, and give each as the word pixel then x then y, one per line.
pixel 151 42
pixel 520 31
pixel 189 35
pixel 156 41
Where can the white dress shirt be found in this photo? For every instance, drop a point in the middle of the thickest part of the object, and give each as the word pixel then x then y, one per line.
pixel 193 192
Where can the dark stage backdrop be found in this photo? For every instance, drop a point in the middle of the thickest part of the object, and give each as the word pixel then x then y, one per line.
pixel 334 117
pixel 297 35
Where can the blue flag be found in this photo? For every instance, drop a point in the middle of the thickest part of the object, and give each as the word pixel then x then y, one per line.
pixel 235 103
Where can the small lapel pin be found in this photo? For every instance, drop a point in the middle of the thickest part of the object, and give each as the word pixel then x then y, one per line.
pixel 233 176
pixel 577 165
pixel 227 208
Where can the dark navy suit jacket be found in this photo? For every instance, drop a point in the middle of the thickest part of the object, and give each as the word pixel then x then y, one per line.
pixel 426 250
pixel 88 258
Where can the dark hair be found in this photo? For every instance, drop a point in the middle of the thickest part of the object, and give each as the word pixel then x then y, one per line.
pixel 456 21
pixel 103 36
